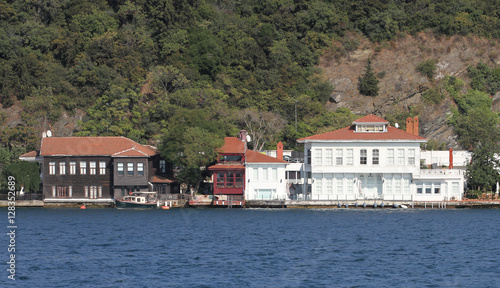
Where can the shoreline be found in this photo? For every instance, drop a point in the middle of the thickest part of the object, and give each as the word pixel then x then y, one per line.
pixel 295 204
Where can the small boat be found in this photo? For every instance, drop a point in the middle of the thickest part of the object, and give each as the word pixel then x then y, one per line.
pixel 136 201
pixel 404 206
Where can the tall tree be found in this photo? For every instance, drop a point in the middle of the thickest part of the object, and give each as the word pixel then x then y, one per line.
pixel 368 83
pixel 482 172
pixel 263 127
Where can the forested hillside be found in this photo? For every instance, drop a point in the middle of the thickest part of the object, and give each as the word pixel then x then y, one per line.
pixel 184 74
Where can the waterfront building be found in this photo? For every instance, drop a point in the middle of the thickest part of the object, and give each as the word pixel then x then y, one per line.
pixel 98 169
pixel 242 174
pixel 372 160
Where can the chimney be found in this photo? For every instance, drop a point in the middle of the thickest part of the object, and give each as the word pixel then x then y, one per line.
pixel 451 159
pixel 415 125
pixel 279 151
pixel 243 137
pixel 409 125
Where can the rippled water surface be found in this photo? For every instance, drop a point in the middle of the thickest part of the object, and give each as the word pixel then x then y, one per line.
pixel 256 248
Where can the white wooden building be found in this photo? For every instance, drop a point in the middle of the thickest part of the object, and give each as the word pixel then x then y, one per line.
pixel 372 160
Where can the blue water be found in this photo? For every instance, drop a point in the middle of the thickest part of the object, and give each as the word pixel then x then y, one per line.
pixel 254 248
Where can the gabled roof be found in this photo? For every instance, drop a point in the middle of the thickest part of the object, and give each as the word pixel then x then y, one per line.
pixel 371 119
pixel 232 145
pixel 29 154
pixel 94 146
pixel 349 134
pixel 256 157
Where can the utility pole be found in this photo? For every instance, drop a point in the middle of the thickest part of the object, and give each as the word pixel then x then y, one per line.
pixel 295 116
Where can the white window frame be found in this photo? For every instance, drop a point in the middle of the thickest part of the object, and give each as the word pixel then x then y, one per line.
pixel 339 157
pixel 350 157
pixel 274 174
pixel 411 157
pixel 375 157
pixel 328 157
pixel 72 168
pixel 62 168
pixel 265 174
pixel 92 167
pixel 140 168
pixel 319 185
pixel 52 168
pixel 363 155
pixel 328 185
pixel 83 168
pixel 401 157
pixel 120 169
pixel 390 157
pixel 102 167
pixel 339 185
pixel 130 169
pixel 318 157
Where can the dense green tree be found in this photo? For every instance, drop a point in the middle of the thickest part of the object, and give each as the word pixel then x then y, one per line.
pixel 473 121
pixel 482 172
pixel 27 175
pixel 368 83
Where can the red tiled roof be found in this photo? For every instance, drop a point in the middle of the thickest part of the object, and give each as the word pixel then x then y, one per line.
pixel 348 133
pixel 371 119
pixel 232 145
pixel 256 157
pixel 226 167
pixel 159 179
pixel 93 146
pixel 29 154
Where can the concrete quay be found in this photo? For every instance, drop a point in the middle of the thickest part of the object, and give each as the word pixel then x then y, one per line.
pixel 477 204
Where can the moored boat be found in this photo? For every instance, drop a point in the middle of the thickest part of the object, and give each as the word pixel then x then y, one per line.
pixel 137 201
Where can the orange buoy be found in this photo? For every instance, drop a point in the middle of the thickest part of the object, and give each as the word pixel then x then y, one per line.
pixel 165 207
pixel 83 207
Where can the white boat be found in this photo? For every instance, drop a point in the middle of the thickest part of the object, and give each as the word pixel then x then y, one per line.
pixel 138 201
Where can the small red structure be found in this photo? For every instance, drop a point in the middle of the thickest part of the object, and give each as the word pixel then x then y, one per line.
pixel 451 159
pixel 229 172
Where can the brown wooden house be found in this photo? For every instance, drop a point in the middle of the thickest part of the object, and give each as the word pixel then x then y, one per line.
pixel 98 169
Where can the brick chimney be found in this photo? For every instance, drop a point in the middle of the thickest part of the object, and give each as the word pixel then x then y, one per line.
pixel 279 151
pixel 243 137
pixel 415 125
pixel 409 125
pixel 451 159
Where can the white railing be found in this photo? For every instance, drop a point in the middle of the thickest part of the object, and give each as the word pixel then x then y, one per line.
pixel 441 172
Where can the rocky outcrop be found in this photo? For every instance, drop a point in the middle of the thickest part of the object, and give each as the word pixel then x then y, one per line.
pixel 401 86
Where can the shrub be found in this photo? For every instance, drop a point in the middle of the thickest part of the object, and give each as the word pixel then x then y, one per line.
pixel 427 68
pixel 432 96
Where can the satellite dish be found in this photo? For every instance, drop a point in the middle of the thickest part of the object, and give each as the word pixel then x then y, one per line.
pixel 49 133
pixel 396 125
pixel 248 138
pixel 44 134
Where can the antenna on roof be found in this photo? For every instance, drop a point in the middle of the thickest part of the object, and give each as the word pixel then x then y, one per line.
pixel 49 133
pixel 396 125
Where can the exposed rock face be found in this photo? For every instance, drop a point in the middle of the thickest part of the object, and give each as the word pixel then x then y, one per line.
pixel 401 86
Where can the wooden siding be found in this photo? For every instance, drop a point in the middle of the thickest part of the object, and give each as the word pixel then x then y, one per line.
pixel 77 181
